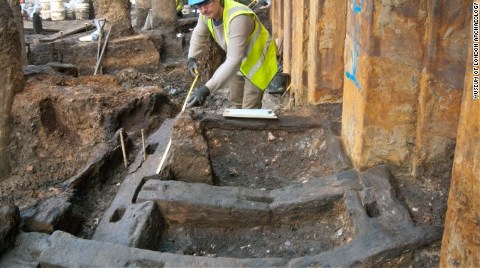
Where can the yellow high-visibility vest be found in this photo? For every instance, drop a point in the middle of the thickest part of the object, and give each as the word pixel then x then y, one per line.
pixel 179 5
pixel 260 64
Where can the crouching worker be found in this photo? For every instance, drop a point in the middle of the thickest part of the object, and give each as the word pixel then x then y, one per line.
pixel 251 54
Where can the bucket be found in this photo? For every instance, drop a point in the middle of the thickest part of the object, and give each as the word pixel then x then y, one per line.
pixel 56 5
pixel 44 5
pixel 82 11
pixel 69 14
pixel 45 14
pixel 57 10
pixel 57 14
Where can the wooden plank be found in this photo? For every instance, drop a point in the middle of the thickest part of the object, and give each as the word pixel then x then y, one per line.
pixel 299 60
pixel 56 26
pixel 291 123
pixel 46 26
pixel 250 113
pixel 313 51
pixel 287 36
pixel 68 27
pixel 72 30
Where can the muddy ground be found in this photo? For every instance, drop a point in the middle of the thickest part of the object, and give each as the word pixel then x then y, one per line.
pixel 62 122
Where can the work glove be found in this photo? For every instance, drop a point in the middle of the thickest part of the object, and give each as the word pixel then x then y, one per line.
pixel 198 97
pixel 192 66
pixel 278 84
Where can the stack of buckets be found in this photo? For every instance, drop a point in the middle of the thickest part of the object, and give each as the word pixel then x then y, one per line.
pixel 45 9
pixel 81 11
pixel 57 10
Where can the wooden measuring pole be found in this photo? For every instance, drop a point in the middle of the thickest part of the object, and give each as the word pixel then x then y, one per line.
pixel 125 162
pixel 164 157
pixel 143 146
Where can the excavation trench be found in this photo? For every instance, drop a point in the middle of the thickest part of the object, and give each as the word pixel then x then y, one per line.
pixel 253 205
pixel 232 190
pixel 289 235
pixel 218 196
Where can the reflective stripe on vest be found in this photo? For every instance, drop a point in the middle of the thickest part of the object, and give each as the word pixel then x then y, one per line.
pixel 260 63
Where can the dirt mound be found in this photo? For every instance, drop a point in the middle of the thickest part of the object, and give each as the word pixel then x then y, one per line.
pixel 61 122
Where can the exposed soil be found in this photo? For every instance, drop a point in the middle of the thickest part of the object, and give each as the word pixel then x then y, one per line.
pixel 310 234
pixel 61 123
pixel 270 164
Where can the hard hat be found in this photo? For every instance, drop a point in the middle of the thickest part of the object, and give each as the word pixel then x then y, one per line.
pixel 195 2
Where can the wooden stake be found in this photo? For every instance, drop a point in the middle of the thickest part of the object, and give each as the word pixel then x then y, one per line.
pixel 61 43
pixel 143 145
pixel 125 162
pixel 61 38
